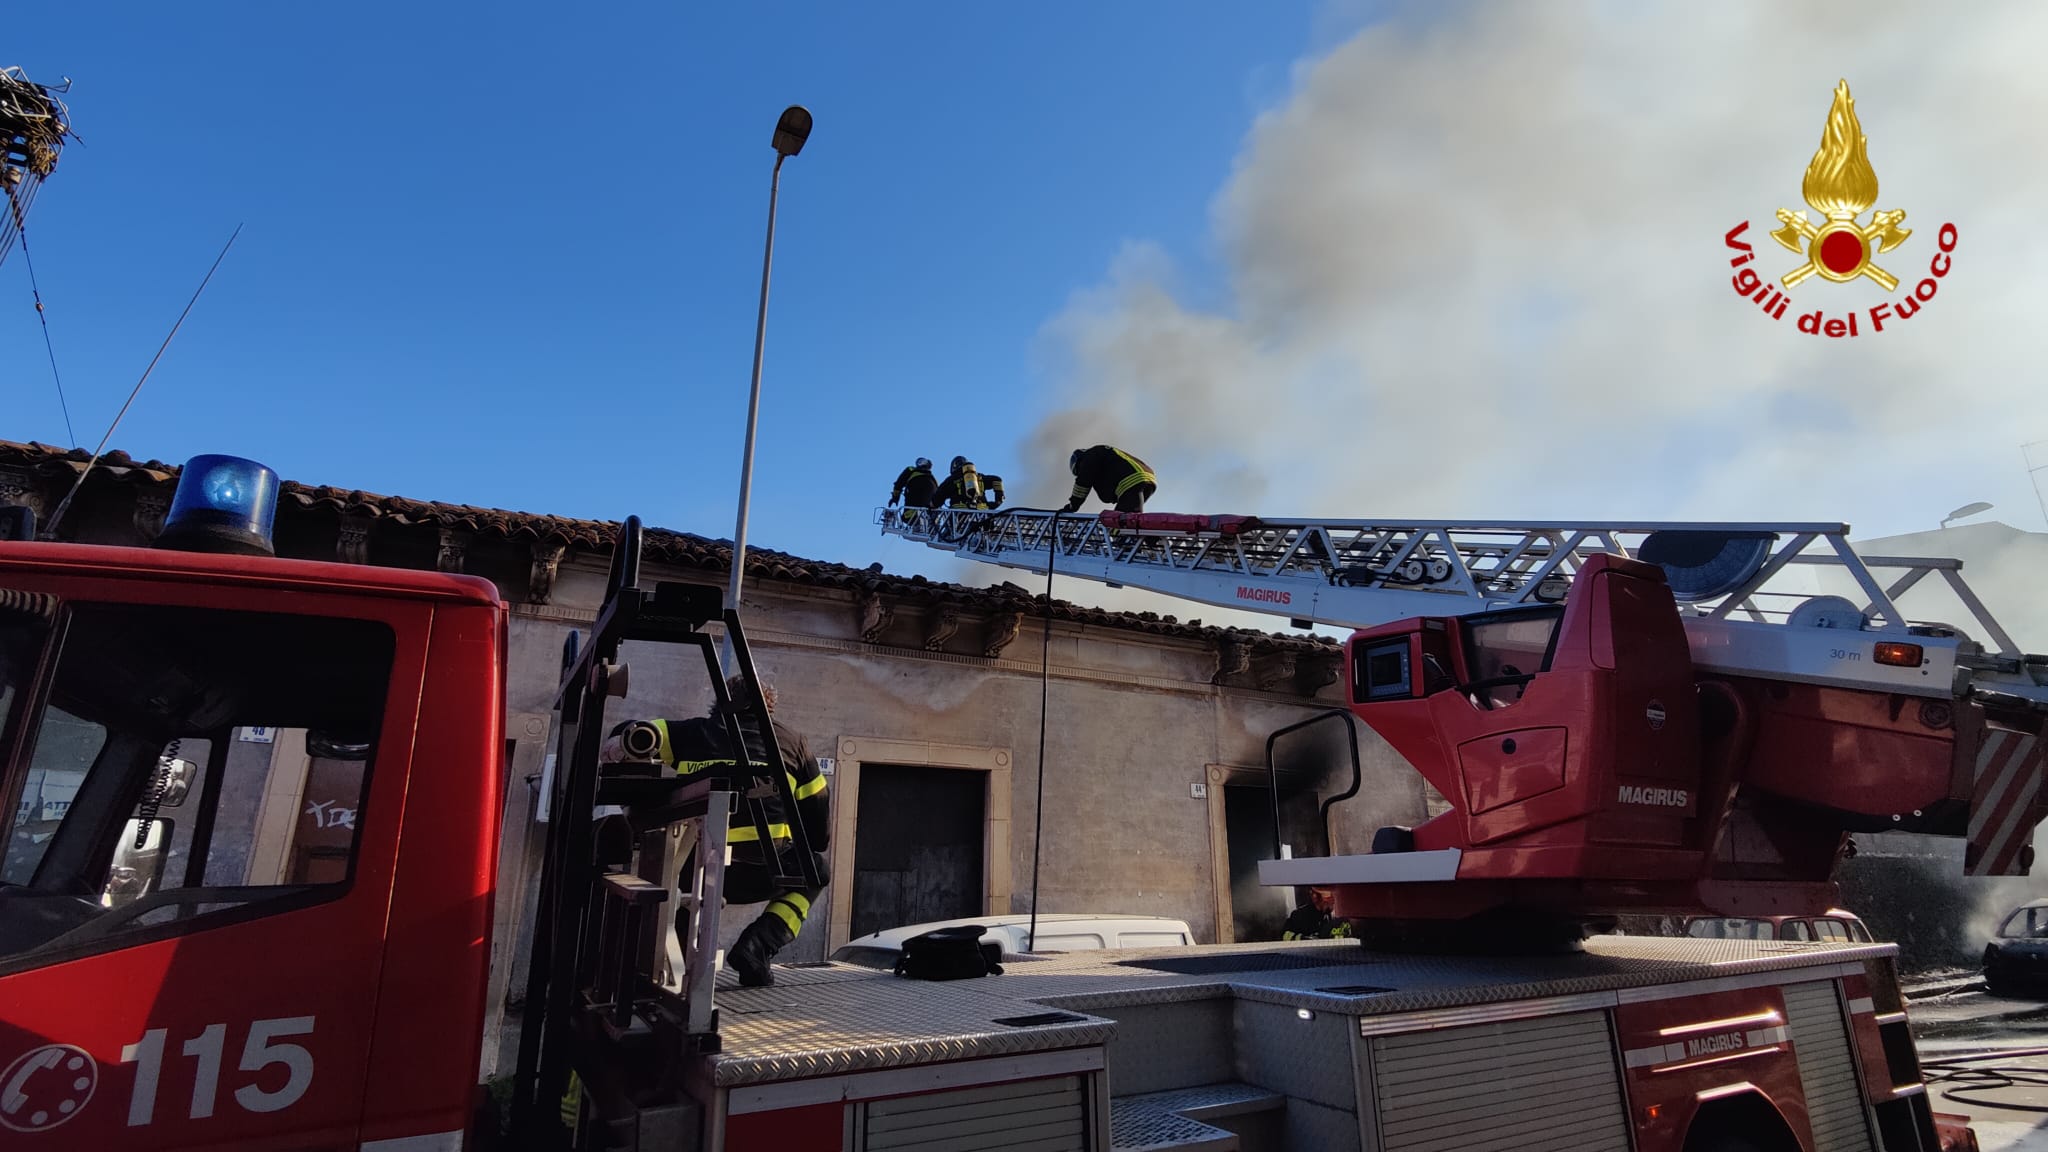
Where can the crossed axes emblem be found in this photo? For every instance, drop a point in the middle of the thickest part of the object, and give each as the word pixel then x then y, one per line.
pixel 1882 234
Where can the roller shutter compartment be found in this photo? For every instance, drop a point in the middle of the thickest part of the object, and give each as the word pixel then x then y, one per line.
pixel 1827 1067
pixel 1544 1085
pixel 1048 1115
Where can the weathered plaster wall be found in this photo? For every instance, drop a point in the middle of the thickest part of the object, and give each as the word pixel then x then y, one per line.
pixel 1132 723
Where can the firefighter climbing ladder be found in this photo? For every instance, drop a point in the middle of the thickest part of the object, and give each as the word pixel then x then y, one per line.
pixel 1744 611
pixel 600 962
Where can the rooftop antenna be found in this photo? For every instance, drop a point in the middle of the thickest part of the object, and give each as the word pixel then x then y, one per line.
pixel 2034 473
pixel 50 532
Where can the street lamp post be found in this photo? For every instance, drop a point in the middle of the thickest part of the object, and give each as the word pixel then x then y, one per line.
pixel 790 133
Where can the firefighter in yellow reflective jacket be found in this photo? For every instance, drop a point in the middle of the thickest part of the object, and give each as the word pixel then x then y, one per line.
pixel 1312 921
pixel 965 487
pixel 697 745
pixel 1119 478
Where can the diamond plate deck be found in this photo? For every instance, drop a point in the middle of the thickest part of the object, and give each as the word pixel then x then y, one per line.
pixel 794 1031
pixel 819 1021
pixel 1145 1129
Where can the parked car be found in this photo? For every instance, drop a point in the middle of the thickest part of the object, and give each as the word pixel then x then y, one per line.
pixel 1837 925
pixel 1063 932
pixel 2016 960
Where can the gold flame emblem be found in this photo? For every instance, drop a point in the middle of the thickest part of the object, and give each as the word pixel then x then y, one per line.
pixel 1841 185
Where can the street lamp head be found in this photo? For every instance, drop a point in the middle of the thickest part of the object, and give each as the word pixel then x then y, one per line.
pixel 792 130
pixel 1966 510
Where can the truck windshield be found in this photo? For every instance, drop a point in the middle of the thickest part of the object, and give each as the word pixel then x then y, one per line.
pixel 1729 928
pixel 180 762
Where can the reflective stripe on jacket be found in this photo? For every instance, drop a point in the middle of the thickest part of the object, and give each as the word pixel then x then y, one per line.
pixel 1109 473
pixel 697 745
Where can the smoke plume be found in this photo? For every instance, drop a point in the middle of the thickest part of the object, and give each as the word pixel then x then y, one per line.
pixel 1476 268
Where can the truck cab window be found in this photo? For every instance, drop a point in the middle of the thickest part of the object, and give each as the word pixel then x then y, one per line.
pixel 1729 928
pixel 184 764
pixel 65 750
pixel 1505 650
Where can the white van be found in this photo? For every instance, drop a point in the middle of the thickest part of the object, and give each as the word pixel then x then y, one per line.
pixel 1057 932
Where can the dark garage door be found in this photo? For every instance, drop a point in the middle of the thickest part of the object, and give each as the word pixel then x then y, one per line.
pixel 917 848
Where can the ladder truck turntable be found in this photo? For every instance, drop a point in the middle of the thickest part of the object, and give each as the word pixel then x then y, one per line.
pixel 335 997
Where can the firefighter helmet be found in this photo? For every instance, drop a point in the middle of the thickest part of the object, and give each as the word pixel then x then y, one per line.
pixel 1074 462
pixel 925 463
pixel 959 462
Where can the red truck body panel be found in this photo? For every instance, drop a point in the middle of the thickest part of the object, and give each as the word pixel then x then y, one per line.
pixel 270 1027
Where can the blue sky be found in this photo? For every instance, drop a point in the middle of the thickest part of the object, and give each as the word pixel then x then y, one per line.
pixel 511 260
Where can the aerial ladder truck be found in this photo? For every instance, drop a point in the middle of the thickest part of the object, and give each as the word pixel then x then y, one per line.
pixel 1623 717
pixel 180 969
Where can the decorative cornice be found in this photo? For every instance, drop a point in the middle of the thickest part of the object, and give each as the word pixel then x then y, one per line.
pixel 1316 671
pixel 939 626
pixel 18 486
pixel 1275 669
pixel 875 614
pixel 1002 629
pixel 352 538
pixel 148 515
pixel 1233 658
pixel 547 561
pixel 34 474
pixel 454 549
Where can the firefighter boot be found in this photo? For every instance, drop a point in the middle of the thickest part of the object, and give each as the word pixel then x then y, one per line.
pixel 755 950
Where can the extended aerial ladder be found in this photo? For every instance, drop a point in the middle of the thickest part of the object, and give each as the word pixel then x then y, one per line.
pixel 1732 581
pixel 1622 715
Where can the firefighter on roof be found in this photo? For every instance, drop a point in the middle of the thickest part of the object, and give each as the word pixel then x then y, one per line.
pixel 965 487
pixel 693 746
pixel 1119 478
pixel 1312 921
pixel 915 485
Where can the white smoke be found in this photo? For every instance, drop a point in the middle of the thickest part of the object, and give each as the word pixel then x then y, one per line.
pixel 1477 268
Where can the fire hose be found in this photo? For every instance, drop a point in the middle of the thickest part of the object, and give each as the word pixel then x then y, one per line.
pixel 1963 1079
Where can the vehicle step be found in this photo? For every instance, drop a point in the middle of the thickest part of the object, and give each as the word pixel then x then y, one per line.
pixel 1136 1128
pixel 1209 1101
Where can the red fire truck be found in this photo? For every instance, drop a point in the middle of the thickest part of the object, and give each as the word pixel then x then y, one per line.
pixel 247 900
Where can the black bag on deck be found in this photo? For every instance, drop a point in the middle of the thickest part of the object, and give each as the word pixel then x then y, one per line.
pixel 950 954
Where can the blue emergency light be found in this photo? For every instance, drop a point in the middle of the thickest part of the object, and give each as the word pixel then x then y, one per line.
pixel 223 504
